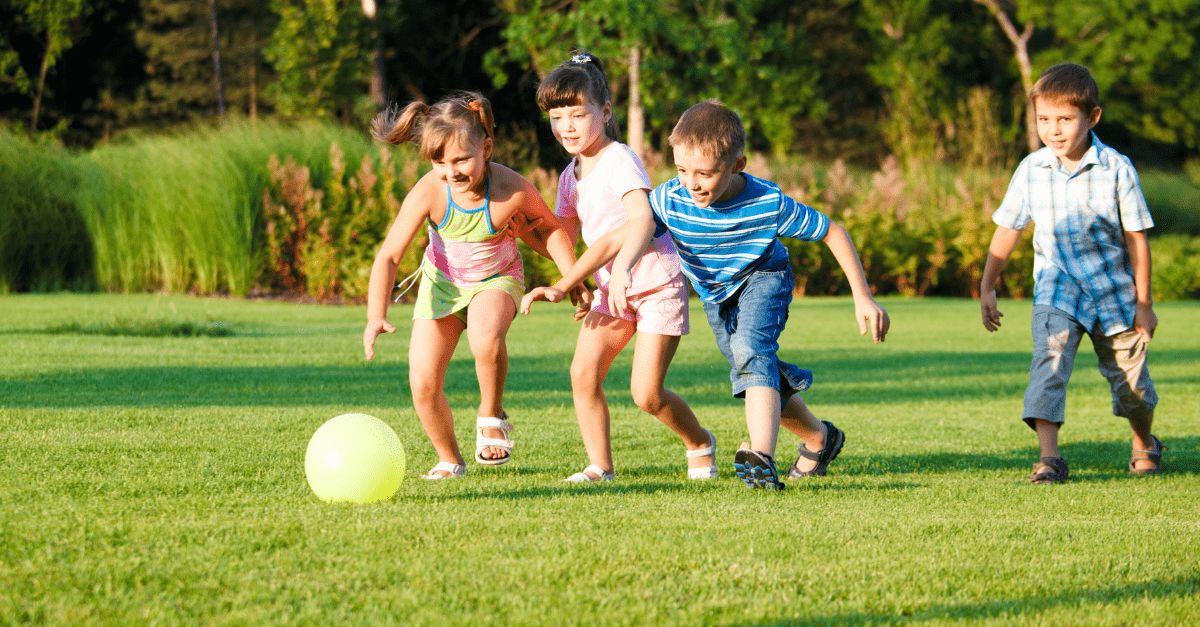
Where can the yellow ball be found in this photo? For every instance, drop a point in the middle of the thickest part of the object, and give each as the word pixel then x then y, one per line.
pixel 355 458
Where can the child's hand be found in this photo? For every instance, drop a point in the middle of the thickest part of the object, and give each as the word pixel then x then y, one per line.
pixel 521 226
pixel 374 328
pixel 871 317
pixel 1145 321
pixel 991 315
pixel 581 296
pixel 618 285
pixel 548 294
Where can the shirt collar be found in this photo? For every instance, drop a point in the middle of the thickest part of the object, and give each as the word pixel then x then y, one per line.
pixel 1097 154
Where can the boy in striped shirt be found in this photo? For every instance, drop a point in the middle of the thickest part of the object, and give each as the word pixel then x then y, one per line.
pixel 726 225
pixel 1091 268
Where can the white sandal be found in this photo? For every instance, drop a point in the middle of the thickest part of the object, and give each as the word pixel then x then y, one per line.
pixel 482 442
pixel 584 477
pixel 455 471
pixel 701 474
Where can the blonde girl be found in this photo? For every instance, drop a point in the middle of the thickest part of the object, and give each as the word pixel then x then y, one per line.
pixel 471 275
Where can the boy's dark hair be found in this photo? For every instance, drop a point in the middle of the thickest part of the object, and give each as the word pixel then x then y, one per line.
pixel 712 128
pixel 1067 82
pixel 579 80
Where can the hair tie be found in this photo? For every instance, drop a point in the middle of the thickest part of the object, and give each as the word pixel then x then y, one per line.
pixel 475 106
pixel 580 59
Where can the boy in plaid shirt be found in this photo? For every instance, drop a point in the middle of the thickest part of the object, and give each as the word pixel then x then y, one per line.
pixel 1091 267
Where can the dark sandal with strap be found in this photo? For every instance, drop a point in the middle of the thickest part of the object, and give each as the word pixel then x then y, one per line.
pixel 834 439
pixel 1049 470
pixel 756 469
pixel 1154 455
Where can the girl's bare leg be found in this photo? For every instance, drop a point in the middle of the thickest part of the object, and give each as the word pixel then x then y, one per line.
pixel 489 316
pixel 600 341
pixel 652 356
pixel 429 352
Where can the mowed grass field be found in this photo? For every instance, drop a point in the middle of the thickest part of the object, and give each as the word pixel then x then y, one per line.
pixel 150 478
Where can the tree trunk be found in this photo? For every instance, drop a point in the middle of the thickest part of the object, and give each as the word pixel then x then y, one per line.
pixel 218 81
pixel 253 105
pixel 370 9
pixel 636 133
pixel 1020 42
pixel 41 89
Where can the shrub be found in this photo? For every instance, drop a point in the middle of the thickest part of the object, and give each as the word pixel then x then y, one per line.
pixel 181 213
pixel 1175 267
pixel 44 244
pixel 322 242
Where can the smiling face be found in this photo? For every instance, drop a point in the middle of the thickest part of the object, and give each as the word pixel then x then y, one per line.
pixel 1065 129
pixel 707 178
pixel 463 168
pixel 580 128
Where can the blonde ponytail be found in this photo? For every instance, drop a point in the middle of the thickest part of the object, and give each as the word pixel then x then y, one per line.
pixel 397 126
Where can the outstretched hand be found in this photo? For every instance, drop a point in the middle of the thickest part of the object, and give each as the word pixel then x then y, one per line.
pixel 990 312
pixel 548 294
pixel 871 318
pixel 374 328
pixel 581 297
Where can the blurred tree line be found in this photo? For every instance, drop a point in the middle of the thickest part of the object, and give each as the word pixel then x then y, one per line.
pixel 926 80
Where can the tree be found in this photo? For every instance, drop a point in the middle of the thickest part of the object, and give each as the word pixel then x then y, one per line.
pixel 1143 55
pixel 1020 42
pixel 321 55
pixel 55 24
pixel 176 37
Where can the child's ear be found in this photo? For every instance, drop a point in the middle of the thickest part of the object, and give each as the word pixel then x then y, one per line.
pixel 739 164
pixel 487 149
pixel 1094 117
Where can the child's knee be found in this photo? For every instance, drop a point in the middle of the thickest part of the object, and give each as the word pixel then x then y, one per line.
pixel 648 398
pixel 584 374
pixel 425 386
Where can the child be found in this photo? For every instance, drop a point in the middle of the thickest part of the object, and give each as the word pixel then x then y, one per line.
pixel 1091 267
pixel 604 181
pixel 726 225
pixel 471 276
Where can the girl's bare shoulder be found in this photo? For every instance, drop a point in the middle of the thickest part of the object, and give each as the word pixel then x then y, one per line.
pixel 509 185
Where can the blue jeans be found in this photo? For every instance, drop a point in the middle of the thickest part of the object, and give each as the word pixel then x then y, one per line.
pixel 747 326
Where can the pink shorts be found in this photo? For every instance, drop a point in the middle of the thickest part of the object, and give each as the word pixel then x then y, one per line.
pixel 663 311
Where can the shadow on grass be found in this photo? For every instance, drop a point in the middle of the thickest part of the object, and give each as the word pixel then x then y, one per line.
pixel 1025 608
pixel 1091 460
pixel 536 382
pixel 622 488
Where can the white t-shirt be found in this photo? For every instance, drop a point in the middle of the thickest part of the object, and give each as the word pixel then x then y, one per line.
pixel 596 202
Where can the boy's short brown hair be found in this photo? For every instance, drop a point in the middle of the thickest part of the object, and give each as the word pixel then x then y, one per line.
pixel 1067 82
pixel 712 128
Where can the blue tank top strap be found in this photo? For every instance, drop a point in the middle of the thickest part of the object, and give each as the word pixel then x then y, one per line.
pixel 451 206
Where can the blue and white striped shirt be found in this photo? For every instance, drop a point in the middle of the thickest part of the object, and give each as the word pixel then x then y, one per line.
pixel 720 245
pixel 1080 265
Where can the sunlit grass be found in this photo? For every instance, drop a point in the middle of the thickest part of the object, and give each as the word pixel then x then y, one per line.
pixel 160 479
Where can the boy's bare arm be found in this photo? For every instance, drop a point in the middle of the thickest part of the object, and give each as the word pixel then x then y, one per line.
pixel 869 315
pixel 1004 241
pixel 1145 321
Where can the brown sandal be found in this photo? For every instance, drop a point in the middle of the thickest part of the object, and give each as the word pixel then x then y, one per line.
pixel 1049 470
pixel 1154 455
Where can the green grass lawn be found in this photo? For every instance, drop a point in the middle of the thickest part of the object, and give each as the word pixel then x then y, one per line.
pixel 152 452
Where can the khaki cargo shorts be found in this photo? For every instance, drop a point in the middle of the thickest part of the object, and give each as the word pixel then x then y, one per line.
pixel 1056 337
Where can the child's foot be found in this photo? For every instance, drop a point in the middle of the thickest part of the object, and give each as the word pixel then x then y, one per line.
pixel 1049 470
pixel 1147 461
pixel 445 470
pixel 590 474
pixel 810 464
pixel 492 443
pixel 756 469
pixel 702 462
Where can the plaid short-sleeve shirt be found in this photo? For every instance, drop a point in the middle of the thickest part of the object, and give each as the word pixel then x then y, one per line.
pixel 1081 264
